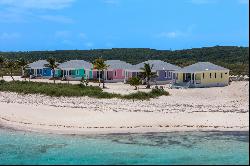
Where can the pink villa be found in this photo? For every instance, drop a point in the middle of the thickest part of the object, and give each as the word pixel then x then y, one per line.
pixel 118 71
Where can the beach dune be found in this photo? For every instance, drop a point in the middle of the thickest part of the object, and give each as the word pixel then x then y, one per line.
pixel 219 108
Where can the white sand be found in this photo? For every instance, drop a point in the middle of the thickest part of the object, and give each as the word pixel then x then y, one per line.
pixel 220 108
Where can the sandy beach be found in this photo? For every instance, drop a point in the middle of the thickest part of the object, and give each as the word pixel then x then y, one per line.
pixel 201 109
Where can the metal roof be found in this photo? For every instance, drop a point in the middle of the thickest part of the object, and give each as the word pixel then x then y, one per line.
pixel 117 64
pixel 201 67
pixel 158 65
pixel 38 64
pixel 76 64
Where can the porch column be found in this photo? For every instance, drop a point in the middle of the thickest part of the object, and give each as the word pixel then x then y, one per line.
pixel 191 77
pixel 194 79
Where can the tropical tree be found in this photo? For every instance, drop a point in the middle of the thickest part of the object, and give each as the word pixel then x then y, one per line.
pixel 23 64
pixel 100 65
pixel 147 73
pixel 134 81
pixel 11 66
pixel 52 65
pixel 1 65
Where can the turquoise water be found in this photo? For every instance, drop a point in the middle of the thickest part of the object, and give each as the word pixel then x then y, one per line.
pixel 18 147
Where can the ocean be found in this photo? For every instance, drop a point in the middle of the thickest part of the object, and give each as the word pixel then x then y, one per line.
pixel 19 147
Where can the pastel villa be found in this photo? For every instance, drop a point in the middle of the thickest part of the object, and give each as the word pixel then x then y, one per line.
pixel 201 74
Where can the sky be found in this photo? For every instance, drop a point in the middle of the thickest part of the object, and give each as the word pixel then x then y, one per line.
pixel 30 25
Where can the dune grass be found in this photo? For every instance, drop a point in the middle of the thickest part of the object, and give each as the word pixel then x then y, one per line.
pixel 69 90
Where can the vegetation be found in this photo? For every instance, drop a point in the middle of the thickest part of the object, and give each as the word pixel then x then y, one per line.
pixel 147 73
pixel 234 58
pixel 69 90
pixel 100 65
pixel 134 81
pixel 1 66
pixel 23 64
pixel 52 65
pixel 11 66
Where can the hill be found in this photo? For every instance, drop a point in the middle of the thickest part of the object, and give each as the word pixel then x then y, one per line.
pixel 232 57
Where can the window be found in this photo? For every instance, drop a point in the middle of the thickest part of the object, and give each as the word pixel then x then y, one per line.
pixel 203 76
pixel 214 75
pixel 77 72
pixel 166 75
pixel 221 75
pixel 226 73
pixel 115 73
pixel 210 75
pixel 70 72
pixel 169 74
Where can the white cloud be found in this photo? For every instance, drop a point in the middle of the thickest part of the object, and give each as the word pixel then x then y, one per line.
pixel 63 34
pixel 67 42
pixel 109 44
pixel 200 2
pixel 83 35
pixel 9 36
pixel 111 2
pixel 37 4
pixel 177 33
pixel 244 2
pixel 89 44
pixel 57 18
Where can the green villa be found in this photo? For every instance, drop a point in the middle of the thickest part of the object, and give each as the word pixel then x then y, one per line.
pixel 76 70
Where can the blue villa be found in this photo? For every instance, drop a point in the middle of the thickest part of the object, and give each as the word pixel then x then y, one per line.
pixel 39 69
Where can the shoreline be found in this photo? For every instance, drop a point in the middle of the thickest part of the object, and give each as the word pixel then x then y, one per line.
pixel 208 109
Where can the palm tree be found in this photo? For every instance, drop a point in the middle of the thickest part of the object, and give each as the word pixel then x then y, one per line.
pixel 134 81
pixel 100 65
pixel 11 65
pixel 1 65
pixel 23 64
pixel 52 65
pixel 147 73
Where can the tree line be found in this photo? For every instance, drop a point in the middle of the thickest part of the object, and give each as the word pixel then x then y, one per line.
pixel 234 58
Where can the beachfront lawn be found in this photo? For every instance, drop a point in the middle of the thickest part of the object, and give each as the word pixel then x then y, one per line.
pixel 69 90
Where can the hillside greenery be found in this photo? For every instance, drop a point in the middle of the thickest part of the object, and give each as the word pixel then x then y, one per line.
pixel 232 57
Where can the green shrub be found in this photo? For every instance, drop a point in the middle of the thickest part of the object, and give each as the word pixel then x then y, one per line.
pixel 69 90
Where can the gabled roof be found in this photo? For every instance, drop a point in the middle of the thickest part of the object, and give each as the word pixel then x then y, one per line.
pixel 76 64
pixel 117 64
pixel 158 65
pixel 38 64
pixel 201 67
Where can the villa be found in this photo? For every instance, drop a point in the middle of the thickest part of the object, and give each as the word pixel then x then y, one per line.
pixel 201 74
pixel 76 70
pixel 118 71
pixel 164 70
pixel 39 69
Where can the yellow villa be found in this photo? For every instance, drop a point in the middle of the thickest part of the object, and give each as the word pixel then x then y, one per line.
pixel 201 74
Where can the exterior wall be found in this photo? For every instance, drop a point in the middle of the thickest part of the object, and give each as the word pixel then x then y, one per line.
pixel 218 81
pixel 47 72
pixel 179 77
pixel 207 81
pixel 118 74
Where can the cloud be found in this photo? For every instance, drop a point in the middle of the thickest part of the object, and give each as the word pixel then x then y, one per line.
pixel 57 18
pixel 37 4
pixel 9 36
pixel 177 33
pixel 83 35
pixel 244 2
pixel 63 34
pixel 111 2
pixel 200 2
pixel 89 44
